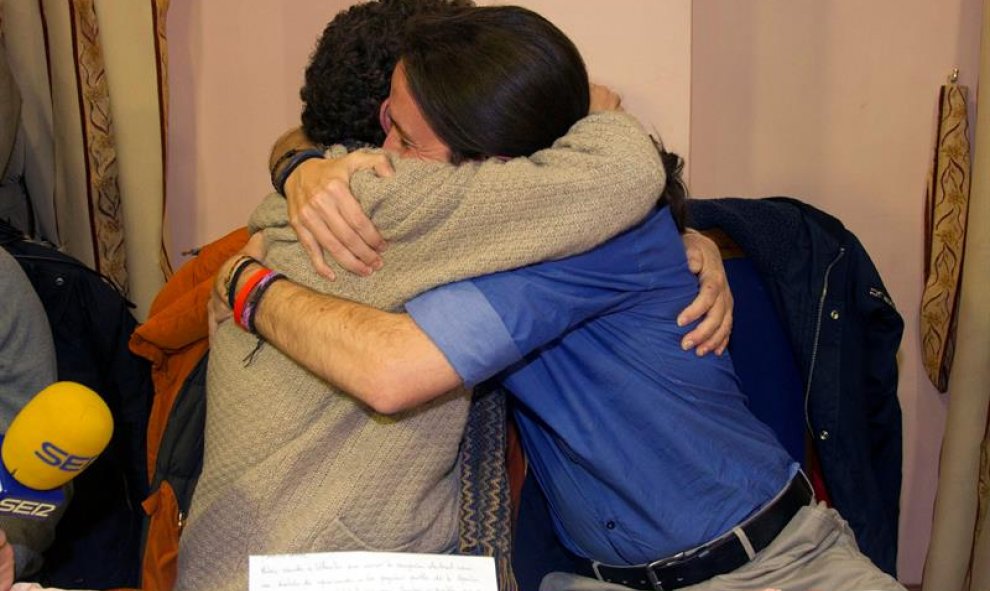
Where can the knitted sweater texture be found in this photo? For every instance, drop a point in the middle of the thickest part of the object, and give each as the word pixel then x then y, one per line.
pixel 292 464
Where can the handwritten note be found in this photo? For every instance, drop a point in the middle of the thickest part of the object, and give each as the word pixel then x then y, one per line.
pixel 372 571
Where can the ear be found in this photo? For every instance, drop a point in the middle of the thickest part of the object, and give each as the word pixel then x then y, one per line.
pixel 384 116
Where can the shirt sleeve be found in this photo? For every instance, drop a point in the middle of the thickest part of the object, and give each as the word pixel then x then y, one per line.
pixel 490 323
pixel 459 319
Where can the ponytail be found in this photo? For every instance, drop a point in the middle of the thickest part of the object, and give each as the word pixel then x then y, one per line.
pixel 675 192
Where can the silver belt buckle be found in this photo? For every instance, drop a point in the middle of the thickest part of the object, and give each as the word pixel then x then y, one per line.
pixel 650 576
pixel 665 562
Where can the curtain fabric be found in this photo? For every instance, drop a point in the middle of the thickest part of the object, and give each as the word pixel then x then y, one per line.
pixel 103 198
pixel 946 209
pixel 92 74
pixel 959 553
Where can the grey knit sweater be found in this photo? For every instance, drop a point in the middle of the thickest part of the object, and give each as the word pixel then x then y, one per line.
pixel 293 465
pixel 27 365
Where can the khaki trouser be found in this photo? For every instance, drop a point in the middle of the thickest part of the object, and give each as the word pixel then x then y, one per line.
pixel 815 552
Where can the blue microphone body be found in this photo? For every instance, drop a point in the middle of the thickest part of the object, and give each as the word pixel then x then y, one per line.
pixel 21 501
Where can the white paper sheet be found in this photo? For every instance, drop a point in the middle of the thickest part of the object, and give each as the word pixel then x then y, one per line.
pixel 372 571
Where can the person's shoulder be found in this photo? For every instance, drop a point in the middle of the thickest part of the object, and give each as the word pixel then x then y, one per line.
pixel 12 277
pixel 612 123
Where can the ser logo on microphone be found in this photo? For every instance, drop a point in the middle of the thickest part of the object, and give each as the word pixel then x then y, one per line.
pixel 57 457
pixel 50 441
pixel 26 507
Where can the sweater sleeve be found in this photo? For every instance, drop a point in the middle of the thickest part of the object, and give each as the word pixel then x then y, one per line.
pixel 603 177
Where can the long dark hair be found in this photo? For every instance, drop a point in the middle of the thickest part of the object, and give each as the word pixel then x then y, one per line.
pixel 494 81
pixel 675 193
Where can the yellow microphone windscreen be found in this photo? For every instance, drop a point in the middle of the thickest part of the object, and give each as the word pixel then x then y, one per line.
pixel 56 435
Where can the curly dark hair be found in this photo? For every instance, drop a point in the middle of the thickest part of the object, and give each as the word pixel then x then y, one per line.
pixel 350 70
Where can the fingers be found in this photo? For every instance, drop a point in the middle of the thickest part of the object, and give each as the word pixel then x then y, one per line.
pixel 604 98
pixel 223 274
pixel 703 303
pixel 695 260
pixel 329 220
pixel 313 250
pixel 212 316
pixel 706 305
pixel 714 306
pixel 317 224
pixel 218 308
pixel 221 313
pixel 364 159
pixel 340 227
pixel 384 168
pixel 256 246
pixel 715 303
pixel 349 207
pixel 721 339
pixel 711 334
pixel 366 231
pixel 324 240
pixel 720 342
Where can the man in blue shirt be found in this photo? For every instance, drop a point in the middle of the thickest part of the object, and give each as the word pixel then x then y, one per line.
pixel 643 449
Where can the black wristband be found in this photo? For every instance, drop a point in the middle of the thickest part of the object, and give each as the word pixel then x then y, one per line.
pixel 255 299
pixel 235 276
pixel 273 173
pixel 297 158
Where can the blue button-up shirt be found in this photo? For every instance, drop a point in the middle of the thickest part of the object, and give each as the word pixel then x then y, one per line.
pixel 642 449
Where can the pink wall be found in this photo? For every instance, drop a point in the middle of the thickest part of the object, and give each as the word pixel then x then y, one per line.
pixel 235 75
pixel 622 50
pixel 834 102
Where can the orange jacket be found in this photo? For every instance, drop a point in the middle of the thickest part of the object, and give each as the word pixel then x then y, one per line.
pixel 174 339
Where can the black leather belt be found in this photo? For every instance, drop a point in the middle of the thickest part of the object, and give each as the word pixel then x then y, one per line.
pixel 722 555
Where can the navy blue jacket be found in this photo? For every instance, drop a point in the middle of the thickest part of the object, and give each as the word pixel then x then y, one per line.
pixel 845 333
pixel 97 542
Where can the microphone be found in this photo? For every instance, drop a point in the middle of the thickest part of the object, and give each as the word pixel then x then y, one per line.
pixel 50 441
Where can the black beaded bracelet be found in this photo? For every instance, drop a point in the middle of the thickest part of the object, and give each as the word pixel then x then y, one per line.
pixel 296 158
pixel 235 276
